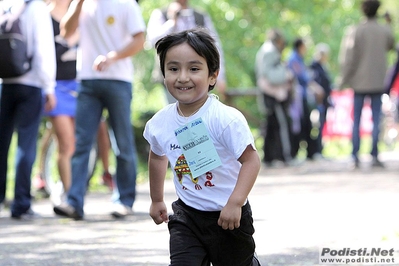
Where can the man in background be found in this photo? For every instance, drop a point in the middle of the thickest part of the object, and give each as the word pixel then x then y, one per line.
pixel 110 33
pixel 363 60
pixel 274 80
pixel 22 103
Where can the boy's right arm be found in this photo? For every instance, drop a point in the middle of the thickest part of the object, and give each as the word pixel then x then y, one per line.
pixel 157 166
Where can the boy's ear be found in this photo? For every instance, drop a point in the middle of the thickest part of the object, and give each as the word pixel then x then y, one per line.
pixel 214 77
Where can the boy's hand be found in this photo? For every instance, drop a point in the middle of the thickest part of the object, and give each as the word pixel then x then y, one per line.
pixel 230 217
pixel 158 212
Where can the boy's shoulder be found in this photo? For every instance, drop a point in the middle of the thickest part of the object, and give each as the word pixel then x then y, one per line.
pixel 165 113
pixel 226 109
pixel 222 111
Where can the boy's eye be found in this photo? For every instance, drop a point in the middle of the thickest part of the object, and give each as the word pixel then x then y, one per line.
pixel 194 69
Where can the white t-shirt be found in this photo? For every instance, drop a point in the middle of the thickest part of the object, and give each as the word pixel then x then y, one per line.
pixel 107 25
pixel 229 132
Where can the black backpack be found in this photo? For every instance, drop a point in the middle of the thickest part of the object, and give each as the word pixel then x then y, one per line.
pixel 14 59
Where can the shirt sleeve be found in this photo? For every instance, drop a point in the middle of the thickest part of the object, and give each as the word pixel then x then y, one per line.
pixel 158 27
pixel 300 70
pixel 236 136
pixel 134 20
pixel 149 135
pixel 272 68
pixel 43 47
pixel 347 55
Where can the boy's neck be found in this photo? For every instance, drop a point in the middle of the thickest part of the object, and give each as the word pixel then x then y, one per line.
pixel 187 110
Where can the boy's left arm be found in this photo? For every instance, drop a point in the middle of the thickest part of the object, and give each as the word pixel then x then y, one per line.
pixel 230 215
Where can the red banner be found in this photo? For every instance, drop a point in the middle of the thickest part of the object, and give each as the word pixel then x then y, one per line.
pixel 340 117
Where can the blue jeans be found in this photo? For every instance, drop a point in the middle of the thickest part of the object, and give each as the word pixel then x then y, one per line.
pixel 116 97
pixel 20 109
pixel 376 113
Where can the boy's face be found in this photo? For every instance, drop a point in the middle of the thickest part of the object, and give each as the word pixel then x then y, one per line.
pixel 187 76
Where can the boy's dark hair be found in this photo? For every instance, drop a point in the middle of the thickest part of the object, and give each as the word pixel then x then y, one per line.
pixel 297 43
pixel 199 39
pixel 370 7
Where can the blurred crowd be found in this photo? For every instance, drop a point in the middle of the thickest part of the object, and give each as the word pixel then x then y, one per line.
pixel 294 92
pixel 81 69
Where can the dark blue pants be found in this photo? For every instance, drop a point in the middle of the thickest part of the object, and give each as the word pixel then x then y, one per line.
pixel 20 109
pixel 197 240
pixel 358 102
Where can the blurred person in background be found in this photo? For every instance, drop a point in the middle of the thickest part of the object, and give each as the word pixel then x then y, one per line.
pixel 307 92
pixel 110 33
pixel 180 16
pixel 363 62
pixel 62 116
pixel 275 82
pixel 321 75
pixel 22 103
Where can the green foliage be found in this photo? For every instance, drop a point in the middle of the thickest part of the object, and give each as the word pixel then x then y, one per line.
pixel 241 25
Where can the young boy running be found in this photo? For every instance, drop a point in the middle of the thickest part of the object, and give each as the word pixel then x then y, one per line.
pixel 211 150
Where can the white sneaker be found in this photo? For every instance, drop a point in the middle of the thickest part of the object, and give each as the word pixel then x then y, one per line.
pixel 57 195
pixel 121 211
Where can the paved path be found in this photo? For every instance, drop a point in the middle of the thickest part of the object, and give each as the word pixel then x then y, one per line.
pixel 296 211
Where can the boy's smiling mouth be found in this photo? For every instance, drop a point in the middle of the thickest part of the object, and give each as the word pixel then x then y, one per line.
pixel 184 88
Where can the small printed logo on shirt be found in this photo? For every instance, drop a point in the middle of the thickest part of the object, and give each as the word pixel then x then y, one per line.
pixel 110 20
pixel 174 147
